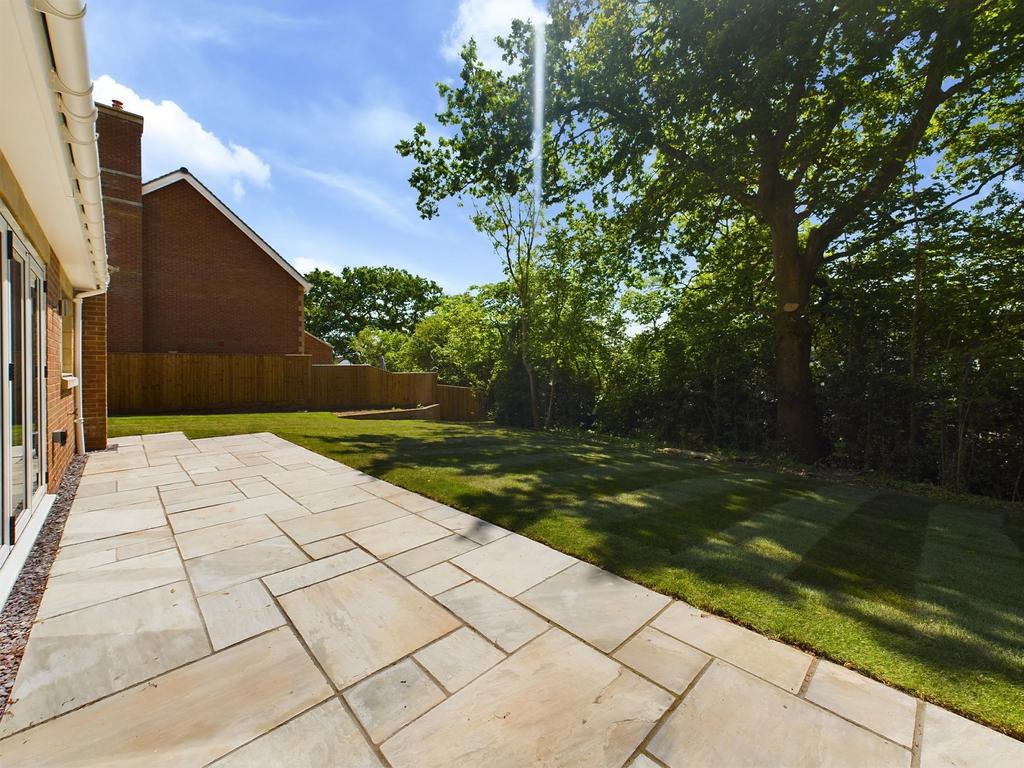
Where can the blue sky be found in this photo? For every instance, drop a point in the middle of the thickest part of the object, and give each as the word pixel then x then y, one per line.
pixel 289 111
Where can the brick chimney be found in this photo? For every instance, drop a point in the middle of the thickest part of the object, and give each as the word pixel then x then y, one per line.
pixel 120 150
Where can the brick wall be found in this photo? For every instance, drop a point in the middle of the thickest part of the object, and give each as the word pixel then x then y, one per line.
pixel 321 352
pixel 120 150
pixel 94 371
pixel 60 402
pixel 208 287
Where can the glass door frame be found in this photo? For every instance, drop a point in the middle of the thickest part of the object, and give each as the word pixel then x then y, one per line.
pixel 33 380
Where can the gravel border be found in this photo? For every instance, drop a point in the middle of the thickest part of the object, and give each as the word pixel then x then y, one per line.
pixel 19 612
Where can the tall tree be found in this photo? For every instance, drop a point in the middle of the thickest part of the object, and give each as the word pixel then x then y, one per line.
pixel 805 114
pixel 339 306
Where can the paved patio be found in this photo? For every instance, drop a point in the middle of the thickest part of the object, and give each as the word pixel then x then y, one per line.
pixel 241 601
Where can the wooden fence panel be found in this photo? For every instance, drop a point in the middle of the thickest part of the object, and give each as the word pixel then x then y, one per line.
pixel 458 403
pixel 153 382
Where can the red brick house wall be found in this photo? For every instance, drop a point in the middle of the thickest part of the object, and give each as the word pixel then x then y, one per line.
pixel 120 150
pixel 60 402
pixel 321 352
pixel 94 371
pixel 208 287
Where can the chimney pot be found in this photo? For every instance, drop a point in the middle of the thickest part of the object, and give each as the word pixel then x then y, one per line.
pixel 117 104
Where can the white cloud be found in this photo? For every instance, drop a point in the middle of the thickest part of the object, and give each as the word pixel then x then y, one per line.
pixel 483 20
pixel 172 139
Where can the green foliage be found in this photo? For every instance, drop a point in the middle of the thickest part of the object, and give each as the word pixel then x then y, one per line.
pixel 339 306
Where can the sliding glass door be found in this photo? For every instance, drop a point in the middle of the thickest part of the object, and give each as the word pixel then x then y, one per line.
pixel 23 319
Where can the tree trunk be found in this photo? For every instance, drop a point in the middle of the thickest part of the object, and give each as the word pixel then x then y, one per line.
pixel 794 392
pixel 524 329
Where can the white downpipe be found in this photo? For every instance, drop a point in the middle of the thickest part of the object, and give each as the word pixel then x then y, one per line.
pixel 73 87
pixel 79 369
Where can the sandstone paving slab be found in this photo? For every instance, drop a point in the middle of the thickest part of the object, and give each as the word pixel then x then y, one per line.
pixel 513 563
pixel 239 612
pixel 595 605
pixel 381 488
pixel 951 741
pixel 777 663
pixel 327 547
pixel 209 462
pixel 399 535
pixel 439 578
pixel 105 523
pixel 329 481
pixel 393 697
pixel 255 486
pixel 663 659
pixel 412 502
pixel 733 718
pixel 183 499
pixel 475 529
pixel 94 485
pixel 867 702
pixel 171 476
pixel 365 620
pixel 235 510
pixel 189 716
pixel 327 524
pixel 643 761
pixel 115 461
pixel 109 582
pixel 319 570
pixel 81 656
pixel 333 499
pixel 176 436
pixel 88 554
pixel 321 737
pixel 557 702
pixel 430 554
pixel 205 541
pixel 232 475
pixel 459 658
pixel 228 567
pixel 501 620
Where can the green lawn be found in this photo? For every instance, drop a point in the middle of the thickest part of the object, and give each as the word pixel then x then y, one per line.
pixel 924 593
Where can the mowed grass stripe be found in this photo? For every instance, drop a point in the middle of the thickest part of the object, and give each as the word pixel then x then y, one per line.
pixel 874 551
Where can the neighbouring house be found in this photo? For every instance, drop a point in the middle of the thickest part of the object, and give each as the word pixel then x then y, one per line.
pixel 188 275
pixel 53 265
pixel 321 352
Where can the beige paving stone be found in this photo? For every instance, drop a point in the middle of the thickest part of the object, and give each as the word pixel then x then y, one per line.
pixel 557 702
pixel 220 570
pixel 321 737
pixel 777 663
pixel 393 697
pixel 129 498
pixel 663 659
pixel 865 701
pixel 187 717
pixel 235 510
pixel 595 605
pixel 106 523
pixel 327 547
pixel 209 462
pixel 253 487
pixel 125 440
pixel 176 486
pixel 288 513
pixel 438 513
pixel 238 613
pixel 113 462
pixel 412 502
pixel 244 472
pixel 82 656
pixel 163 437
pixel 381 488
pixel 439 578
pixel 733 718
pixel 360 622
pixel 319 570
pixel 459 658
pixel 951 741
pixel 643 761
pixel 327 524
pixel 108 582
pixel 329 481
pixel 171 476
pixel 95 485
pixel 475 529
pixel 514 563
pixel 333 499
pixel 399 535
pixel 501 620
pixel 184 499
pixel 430 554
pixel 89 554
pixel 204 541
